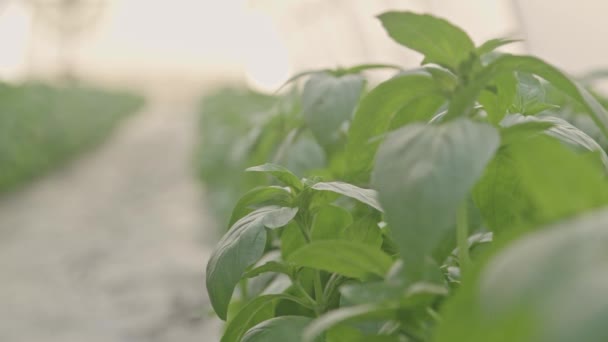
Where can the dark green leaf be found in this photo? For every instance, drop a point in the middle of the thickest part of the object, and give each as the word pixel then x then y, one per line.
pixel 291 239
pixel 366 196
pixel 279 329
pixel 423 173
pixel 439 41
pixel 352 259
pixel 241 247
pixel 328 102
pixel 374 115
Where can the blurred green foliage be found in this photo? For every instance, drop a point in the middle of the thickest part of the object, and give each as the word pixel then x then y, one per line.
pixel 42 126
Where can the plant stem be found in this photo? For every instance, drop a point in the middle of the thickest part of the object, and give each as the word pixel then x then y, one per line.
pixel 319 292
pixel 462 235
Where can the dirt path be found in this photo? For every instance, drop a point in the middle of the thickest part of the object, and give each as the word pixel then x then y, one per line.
pixel 112 247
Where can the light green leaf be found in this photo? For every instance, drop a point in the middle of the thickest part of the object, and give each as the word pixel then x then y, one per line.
pixel 259 196
pixel 493 44
pixel 279 329
pixel 558 295
pixel 497 102
pixel 249 316
pixel 328 102
pixel 270 266
pixel 438 40
pixel 364 229
pixel 291 239
pixel 561 130
pixel 348 258
pixel 365 196
pixel 423 173
pixel 537 181
pixel 465 99
pixel 329 223
pixel 345 315
pixel 280 173
pixel 374 115
pixel 238 249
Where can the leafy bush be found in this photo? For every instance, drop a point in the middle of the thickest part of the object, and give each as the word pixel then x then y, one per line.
pixel 42 126
pixel 453 205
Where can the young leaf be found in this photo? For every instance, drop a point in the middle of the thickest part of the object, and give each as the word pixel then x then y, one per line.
pixel 276 194
pixel 465 99
pixel 280 173
pixel 493 44
pixel 423 173
pixel 348 258
pixel 247 317
pixel 438 40
pixel 497 103
pixel 365 196
pixel 328 102
pixel 241 247
pixel 375 113
pixel 345 315
pixel 279 329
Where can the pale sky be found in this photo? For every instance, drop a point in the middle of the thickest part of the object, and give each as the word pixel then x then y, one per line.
pixel 267 40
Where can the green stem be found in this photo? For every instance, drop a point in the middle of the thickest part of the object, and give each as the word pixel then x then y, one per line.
pixel 319 292
pixel 304 293
pixel 462 235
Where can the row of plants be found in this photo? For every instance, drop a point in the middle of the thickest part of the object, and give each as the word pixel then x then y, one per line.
pixel 42 126
pixel 453 202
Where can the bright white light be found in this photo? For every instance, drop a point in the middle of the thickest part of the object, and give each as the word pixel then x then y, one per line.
pixel 14 33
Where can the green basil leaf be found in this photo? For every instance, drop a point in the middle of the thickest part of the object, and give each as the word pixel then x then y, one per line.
pixel 279 329
pixel 328 102
pixel 493 44
pixel 364 229
pixel 329 223
pixel 557 297
pixel 238 249
pixel 270 266
pixel 249 316
pixel 348 258
pixel 438 40
pixel 365 196
pixel 261 195
pixel 423 173
pixel 280 173
pixel 374 115
pixel 345 315
pixel 497 103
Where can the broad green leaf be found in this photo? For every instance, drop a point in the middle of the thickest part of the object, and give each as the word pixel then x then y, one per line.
pixel 238 249
pixel 382 292
pixel 421 109
pixel 279 329
pixel 537 181
pixel 280 173
pixel 465 99
pixel 249 316
pixel 348 258
pixel 364 229
pixel 438 40
pixel 279 218
pixel 291 239
pixel 366 196
pixel 510 134
pixel 345 315
pixel 374 114
pixel 561 130
pixel 558 295
pixel 259 196
pixel 497 101
pixel 328 102
pixel 423 173
pixel 493 44
pixel 329 223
